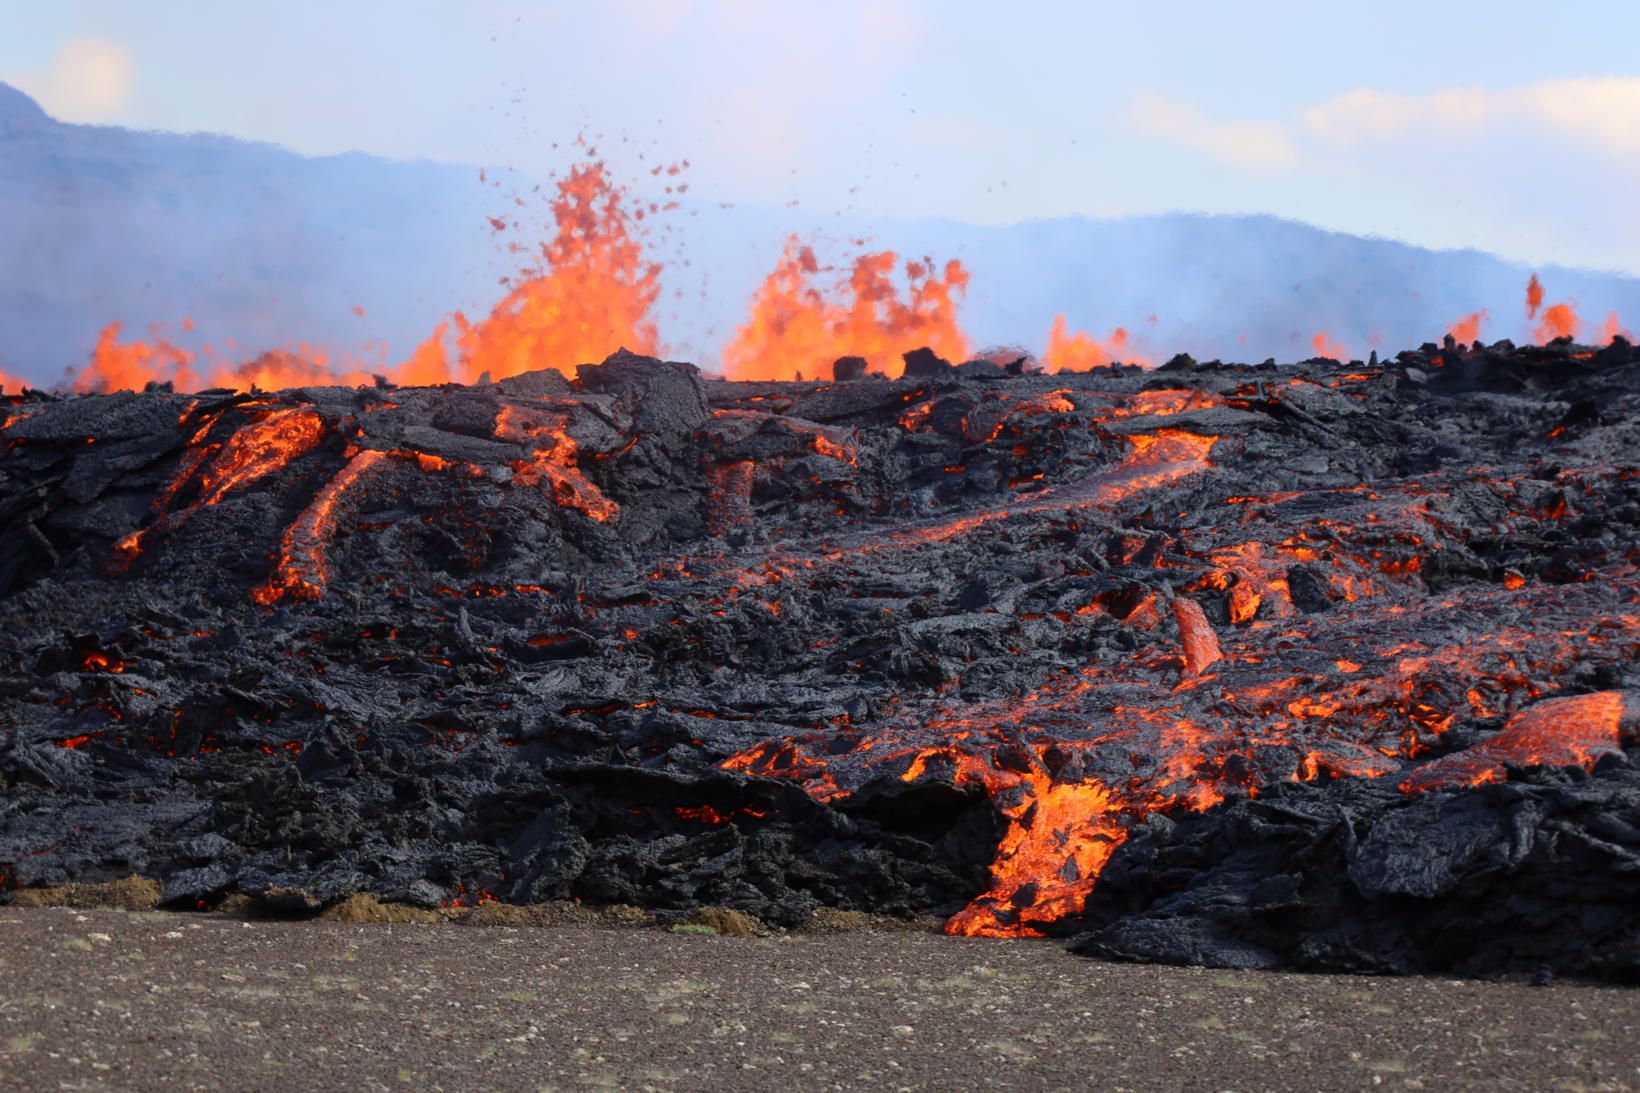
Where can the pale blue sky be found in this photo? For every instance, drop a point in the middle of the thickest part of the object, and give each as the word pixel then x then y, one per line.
pixel 1510 127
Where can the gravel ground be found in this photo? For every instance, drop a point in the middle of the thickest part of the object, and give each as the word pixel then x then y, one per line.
pixel 108 999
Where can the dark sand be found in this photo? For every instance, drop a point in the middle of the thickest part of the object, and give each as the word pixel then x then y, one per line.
pixel 108 999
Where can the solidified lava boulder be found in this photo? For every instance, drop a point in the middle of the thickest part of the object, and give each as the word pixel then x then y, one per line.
pixel 667 399
pixel 1541 872
pixel 1226 664
pixel 924 363
pixel 846 369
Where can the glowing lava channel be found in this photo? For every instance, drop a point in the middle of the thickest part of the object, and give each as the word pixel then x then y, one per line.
pixel 301 573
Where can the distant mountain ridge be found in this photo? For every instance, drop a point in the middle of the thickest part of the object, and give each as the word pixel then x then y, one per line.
pixel 265 248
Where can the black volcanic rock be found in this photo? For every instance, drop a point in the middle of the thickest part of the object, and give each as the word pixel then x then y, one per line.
pixel 98 418
pixel 1542 872
pixel 1307 589
pixel 543 382
pixel 932 645
pixel 924 363
pixel 846 369
pixel 667 398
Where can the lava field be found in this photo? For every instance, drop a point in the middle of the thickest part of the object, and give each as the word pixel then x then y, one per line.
pixel 1322 666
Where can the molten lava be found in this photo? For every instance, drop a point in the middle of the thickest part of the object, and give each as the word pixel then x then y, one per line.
pixel 129 366
pixel 593 296
pixel 1059 837
pixel 798 328
pixel 1039 756
pixel 1328 347
pixel 1559 732
pixel 260 449
pixel 1613 328
pixel 594 292
pixel 301 572
pixel 1201 645
pixel 978 582
pixel 1467 330
pixel 1559 321
pixel 1079 352
pixel 554 462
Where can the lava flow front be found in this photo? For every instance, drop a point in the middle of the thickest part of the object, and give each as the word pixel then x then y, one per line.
pixel 1168 659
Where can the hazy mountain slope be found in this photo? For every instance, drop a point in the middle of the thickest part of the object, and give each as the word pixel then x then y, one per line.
pixel 250 241
pixel 266 248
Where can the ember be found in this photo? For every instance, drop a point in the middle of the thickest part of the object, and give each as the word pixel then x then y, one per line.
pixel 1325 666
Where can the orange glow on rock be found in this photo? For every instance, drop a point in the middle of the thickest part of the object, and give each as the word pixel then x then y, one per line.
pixel 1573 731
pixel 1201 645
pixel 258 450
pixel 554 462
pixel 301 572
pixel 1059 837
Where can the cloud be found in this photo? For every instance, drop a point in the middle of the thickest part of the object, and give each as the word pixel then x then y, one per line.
pixel 790 85
pixel 1600 115
pixel 1262 147
pixel 1542 169
pixel 1593 115
pixel 888 28
pixel 89 80
pixel 661 17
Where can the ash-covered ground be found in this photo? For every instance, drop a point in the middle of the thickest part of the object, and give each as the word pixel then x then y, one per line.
pixel 1326 666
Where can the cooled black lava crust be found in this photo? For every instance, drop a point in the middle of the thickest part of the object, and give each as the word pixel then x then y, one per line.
pixel 948 644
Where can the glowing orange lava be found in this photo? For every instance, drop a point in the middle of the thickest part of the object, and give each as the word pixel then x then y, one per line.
pixel 798 329
pixel 258 450
pixel 1059 837
pixel 554 461
pixel 593 297
pixel 1079 352
pixel 1467 330
pixel 1325 345
pixel 1559 321
pixel 129 366
pixel 1201 645
pixel 301 573
pixel 1573 731
pixel 1613 328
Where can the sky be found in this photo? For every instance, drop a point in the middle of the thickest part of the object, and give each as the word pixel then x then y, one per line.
pixel 1508 127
